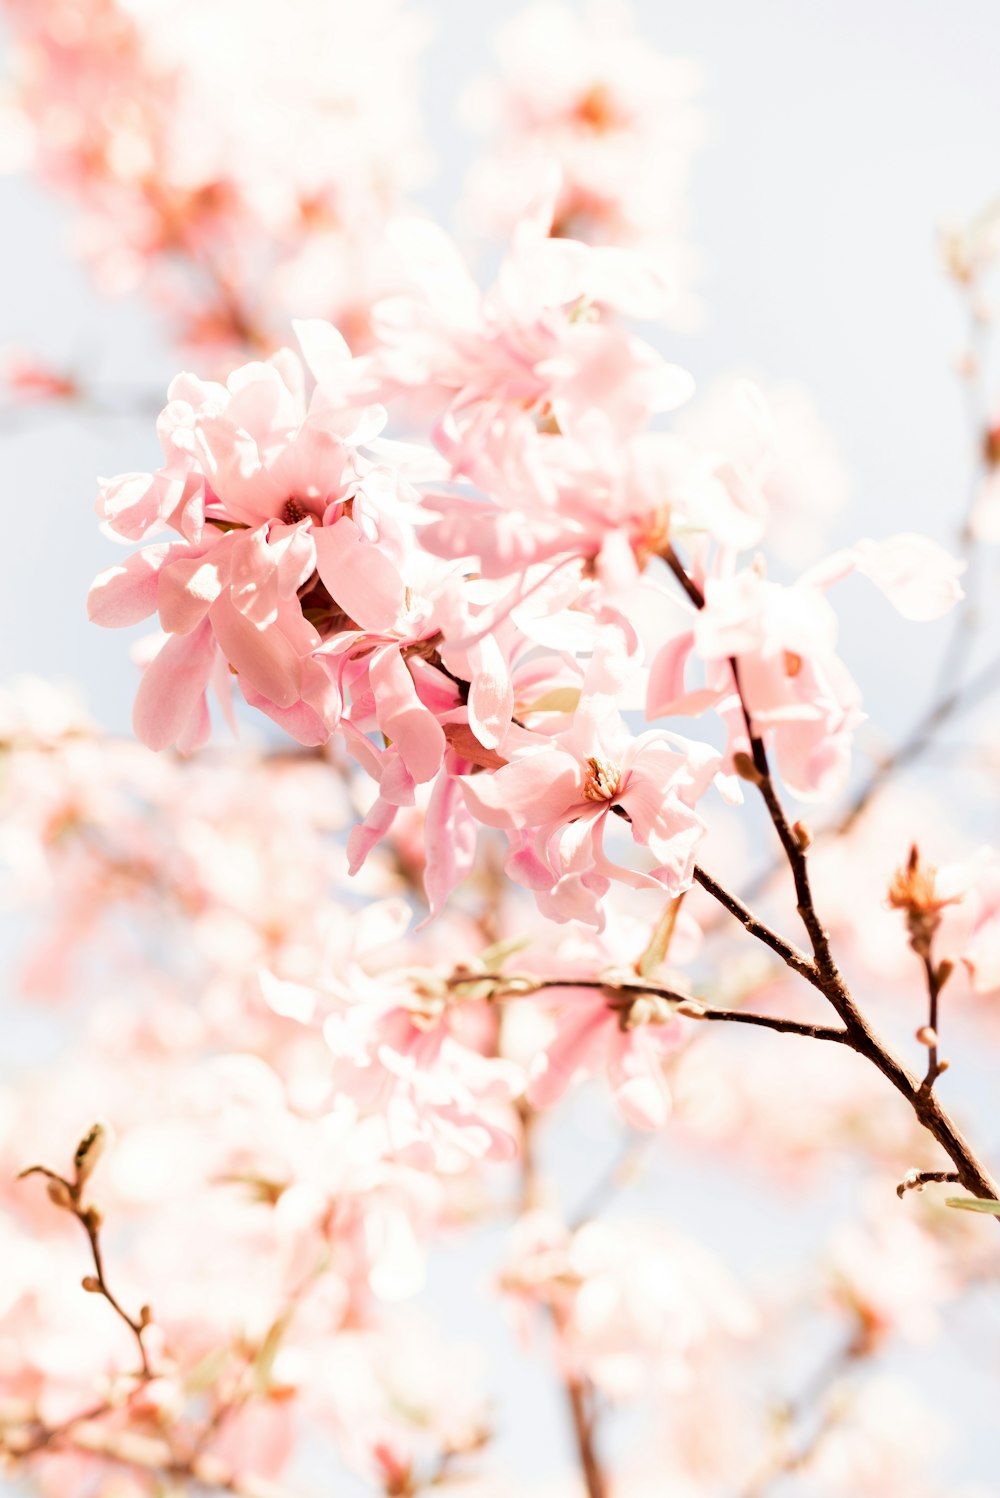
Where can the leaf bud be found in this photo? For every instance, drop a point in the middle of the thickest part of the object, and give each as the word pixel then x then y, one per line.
pixel 746 769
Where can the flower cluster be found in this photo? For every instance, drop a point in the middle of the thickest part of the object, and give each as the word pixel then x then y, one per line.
pixel 241 161
pixel 501 606
pixel 477 618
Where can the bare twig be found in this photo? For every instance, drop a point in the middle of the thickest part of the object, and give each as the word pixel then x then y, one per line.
pixel 622 997
pixel 937 975
pixel 788 953
pixel 67 1194
pixel 580 1395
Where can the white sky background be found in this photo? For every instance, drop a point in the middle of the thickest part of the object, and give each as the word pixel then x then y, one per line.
pixel 840 133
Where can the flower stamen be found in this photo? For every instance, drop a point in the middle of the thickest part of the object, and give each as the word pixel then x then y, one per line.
pixel 602 780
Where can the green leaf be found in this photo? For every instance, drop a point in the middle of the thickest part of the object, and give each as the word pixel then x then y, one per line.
pixel 974 1204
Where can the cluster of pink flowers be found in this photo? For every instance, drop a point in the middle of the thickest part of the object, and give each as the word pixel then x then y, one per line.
pixel 476 618
pixel 343 1094
pixel 498 604
pixel 241 161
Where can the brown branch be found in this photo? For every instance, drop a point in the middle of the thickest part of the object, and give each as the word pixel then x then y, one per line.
pixel 622 996
pixel 768 1022
pixel 67 1194
pixel 825 975
pixel 786 950
pixel 580 1396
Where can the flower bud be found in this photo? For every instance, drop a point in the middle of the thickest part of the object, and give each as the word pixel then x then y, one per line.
pixel 90 1149
pixel 59 1194
pixel 746 769
pixel 914 890
pixel 648 1009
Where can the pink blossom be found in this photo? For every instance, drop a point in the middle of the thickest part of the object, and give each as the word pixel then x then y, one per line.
pixel 291 537
pixel 558 790
pixel 538 349
pixel 799 695
pixel 198 143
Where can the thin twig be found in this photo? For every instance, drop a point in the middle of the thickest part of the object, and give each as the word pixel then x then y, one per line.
pixel 67 1194
pixel 786 950
pixel 936 979
pixel 518 985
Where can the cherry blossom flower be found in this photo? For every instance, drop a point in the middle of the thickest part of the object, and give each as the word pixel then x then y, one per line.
pixel 557 791
pixel 799 696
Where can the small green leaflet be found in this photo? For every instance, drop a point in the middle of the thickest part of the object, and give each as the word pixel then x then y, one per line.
pixel 973 1204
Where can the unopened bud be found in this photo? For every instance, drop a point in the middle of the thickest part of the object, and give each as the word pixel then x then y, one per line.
pixel 92 1220
pixel 59 1194
pixel 945 969
pixel 914 890
pixel 145 1316
pixel 911 1182
pixel 91 1284
pixel 691 1009
pixel 802 835
pixel 927 1036
pixel 746 769
pixel 943 1066
pixel 648 1009
pixel 90 1149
